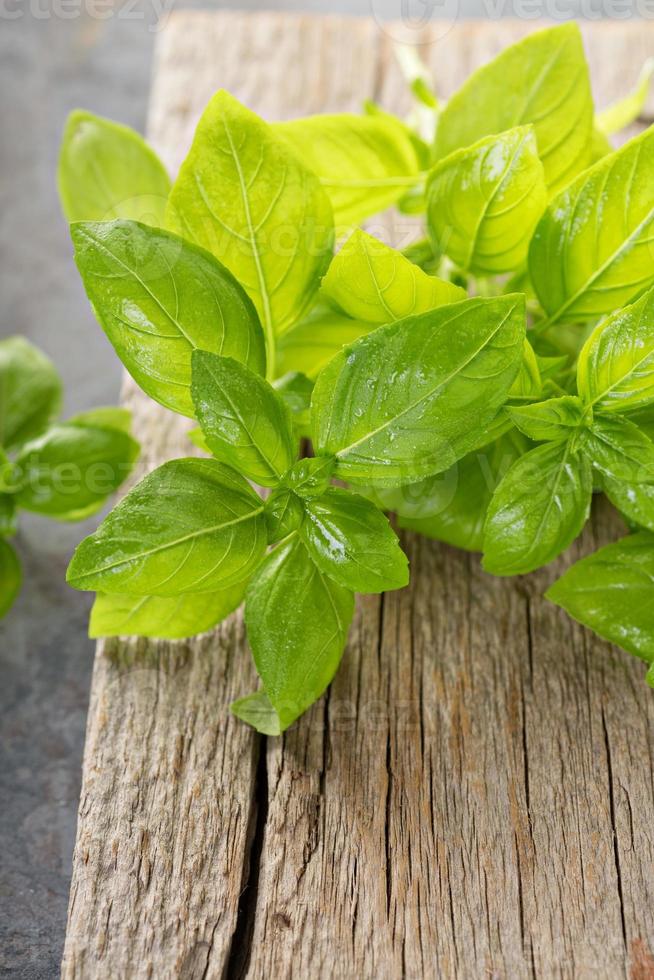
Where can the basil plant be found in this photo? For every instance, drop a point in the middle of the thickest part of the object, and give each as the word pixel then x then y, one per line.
pixel 61 470
pixel 481 385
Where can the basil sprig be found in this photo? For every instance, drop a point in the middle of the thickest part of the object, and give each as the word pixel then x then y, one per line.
pixel 482 384
pixel 64 470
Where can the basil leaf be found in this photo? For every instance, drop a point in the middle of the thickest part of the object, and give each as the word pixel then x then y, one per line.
pixel 310 345
pixel 611 592
pixel 7 515
pixel 618 449
pixel 196 437
pixel 549 420
pixel 423 254
pixel 72 469
pixel 242 194
pixel 108 171
pixel 615 370
pixel 483 202
pixel 626 110
pixel 158 298
pixel 284 514
pixel 170 618
pixel 543 80
pixel 245 422
pixel 644 419
pixel 256 710
pixel 419 142
pixel 297 620
pixel 411 398
pixel 296 389
pixel 635 501
pixel 10 577
pixel 372 282
pixel 452 506
pixel 528 385
pixel 30 392
pixel 365 163
pixel 591 251
pixel 551 367
pixel 192 525
pixel 105 417
pixel 538 509
pixel 351 541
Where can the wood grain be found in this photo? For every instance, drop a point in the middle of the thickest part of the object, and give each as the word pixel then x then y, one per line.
pixel 474 795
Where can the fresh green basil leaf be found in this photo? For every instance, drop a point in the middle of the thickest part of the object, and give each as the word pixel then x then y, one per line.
pixel 310 345
pixel 372 282
pixel 635 501
pixel 483 202
pixel 192 525
pixel 365 163
pixel 7 515
pixel 351 541
pixel 413 201
pixel 284 514
pixel 610 591
pixel 256 710
pixel 451 506
pixel 424 254
pixel 551 367
pixel 592 251
pixel 296 389
pixel 158 298
pixel 644 419
pixel 30 392
pixel 297 620
pixel 543 80
pixel 528 385
pixel 72 469
pixel 108 171
pixel 169 618
pixel 245 422
pixel 418 141
pixel 615 370
pixel 411 398
pixel 538 509
pixel 619 449
pixel 553 419
pixel 10 577
pixel 627 109
pixel 196 437
pixel 106 417
pixel 242 194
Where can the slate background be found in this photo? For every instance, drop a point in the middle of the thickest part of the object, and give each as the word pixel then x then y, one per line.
pixel 49 64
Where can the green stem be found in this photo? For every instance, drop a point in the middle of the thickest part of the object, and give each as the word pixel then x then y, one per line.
pixel 271 351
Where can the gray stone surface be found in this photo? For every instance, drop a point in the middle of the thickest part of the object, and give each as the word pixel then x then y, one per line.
pixel 50 63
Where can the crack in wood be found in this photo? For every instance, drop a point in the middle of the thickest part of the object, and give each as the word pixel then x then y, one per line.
pixel 240 950
pixel 614 829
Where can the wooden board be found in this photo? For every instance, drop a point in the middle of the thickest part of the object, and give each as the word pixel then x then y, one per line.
pixel 473 797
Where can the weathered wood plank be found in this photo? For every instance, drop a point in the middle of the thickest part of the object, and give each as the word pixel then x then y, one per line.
pixel 473 796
